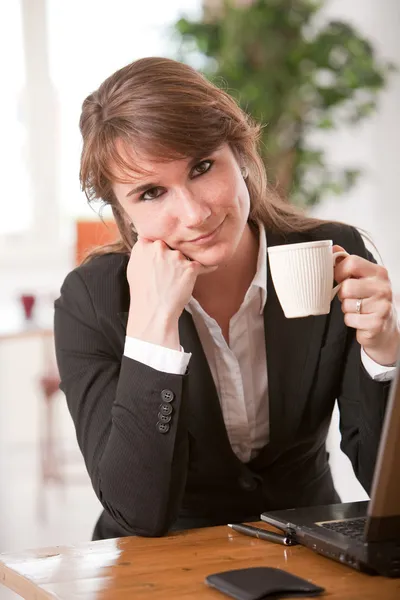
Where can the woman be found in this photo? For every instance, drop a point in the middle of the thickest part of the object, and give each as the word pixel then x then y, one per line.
pixel 194 400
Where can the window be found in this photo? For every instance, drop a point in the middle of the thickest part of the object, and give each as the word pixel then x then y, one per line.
pixel 16 191
pixel 86 41
pixel 89 40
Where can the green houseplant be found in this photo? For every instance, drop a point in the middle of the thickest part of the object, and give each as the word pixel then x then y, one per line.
pixel 292 76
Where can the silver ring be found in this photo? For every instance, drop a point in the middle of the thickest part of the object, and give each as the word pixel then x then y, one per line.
pixel 358 306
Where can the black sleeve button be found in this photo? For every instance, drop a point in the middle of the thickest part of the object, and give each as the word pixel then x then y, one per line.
pixel 165 409
pixel 164 418
pixel 163 427
pixel 167 395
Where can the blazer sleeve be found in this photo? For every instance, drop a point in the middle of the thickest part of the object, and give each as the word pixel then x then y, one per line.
pixel 138 472
pixel 362 401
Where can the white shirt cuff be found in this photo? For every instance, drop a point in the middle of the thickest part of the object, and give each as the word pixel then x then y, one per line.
pixel 376 371
pixel 157 357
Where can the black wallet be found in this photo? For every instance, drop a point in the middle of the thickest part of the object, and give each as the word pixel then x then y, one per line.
pixel 258 583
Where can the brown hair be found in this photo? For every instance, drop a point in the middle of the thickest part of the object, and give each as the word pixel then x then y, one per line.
pixel 169 110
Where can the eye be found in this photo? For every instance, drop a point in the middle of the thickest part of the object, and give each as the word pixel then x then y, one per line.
pixel 152 194
pixel 202 167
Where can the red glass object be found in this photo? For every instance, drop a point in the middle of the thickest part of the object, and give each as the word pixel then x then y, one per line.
pixel 28 302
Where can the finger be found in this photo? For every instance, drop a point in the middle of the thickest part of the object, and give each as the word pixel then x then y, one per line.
pixel 382 308
pixel 356 266
pixel 371 324
pixel 337 248
pixel 365 288
pixel 160 245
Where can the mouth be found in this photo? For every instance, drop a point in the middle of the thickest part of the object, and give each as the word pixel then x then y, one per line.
pixel 204 239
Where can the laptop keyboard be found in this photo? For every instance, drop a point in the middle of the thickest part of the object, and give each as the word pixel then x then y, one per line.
pixel 353 528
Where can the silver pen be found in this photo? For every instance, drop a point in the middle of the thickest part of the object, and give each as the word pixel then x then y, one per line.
pixel 263 534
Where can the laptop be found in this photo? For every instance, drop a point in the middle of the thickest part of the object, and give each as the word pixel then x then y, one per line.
pixel 364 535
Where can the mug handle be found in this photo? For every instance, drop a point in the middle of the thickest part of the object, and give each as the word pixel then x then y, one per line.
pixel 337 255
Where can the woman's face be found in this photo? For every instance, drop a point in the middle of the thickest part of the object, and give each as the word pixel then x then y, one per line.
pixel 199 207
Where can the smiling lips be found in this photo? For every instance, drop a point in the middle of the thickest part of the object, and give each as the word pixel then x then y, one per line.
pixel 206 237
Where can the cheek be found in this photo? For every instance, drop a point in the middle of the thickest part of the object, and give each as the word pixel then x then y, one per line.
pixel 230 194
pixel 152 223
pixel 242 198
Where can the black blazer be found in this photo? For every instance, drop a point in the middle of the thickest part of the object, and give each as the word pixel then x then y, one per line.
pixel 150 481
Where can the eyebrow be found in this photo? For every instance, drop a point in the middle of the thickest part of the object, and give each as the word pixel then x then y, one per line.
pixel 147 186
pixel 141 188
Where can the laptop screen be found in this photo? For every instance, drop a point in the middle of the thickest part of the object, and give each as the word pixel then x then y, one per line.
pixel 385 494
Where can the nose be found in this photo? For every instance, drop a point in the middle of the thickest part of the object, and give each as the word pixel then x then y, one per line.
pixel 191 210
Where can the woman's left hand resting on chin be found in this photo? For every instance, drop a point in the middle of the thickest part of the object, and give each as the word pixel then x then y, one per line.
pixel 376 321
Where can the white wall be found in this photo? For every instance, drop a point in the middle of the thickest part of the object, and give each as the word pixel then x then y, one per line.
pixel 374 203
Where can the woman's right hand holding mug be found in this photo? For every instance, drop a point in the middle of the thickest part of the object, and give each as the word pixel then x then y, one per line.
pixel 161 282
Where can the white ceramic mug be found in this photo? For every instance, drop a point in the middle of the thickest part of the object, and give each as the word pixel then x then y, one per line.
pixel 303 277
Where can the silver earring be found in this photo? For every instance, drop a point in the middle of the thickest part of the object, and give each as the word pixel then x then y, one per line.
pixel 245 172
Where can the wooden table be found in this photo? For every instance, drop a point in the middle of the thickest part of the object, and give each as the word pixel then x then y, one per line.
pixel 173 567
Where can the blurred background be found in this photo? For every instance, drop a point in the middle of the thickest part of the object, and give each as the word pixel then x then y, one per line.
pixel 321 75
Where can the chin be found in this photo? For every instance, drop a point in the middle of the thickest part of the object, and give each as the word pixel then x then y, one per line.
pixel 214 256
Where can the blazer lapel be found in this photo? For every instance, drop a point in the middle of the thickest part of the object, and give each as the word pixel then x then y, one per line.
pixel 292 348
pixel 206 422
